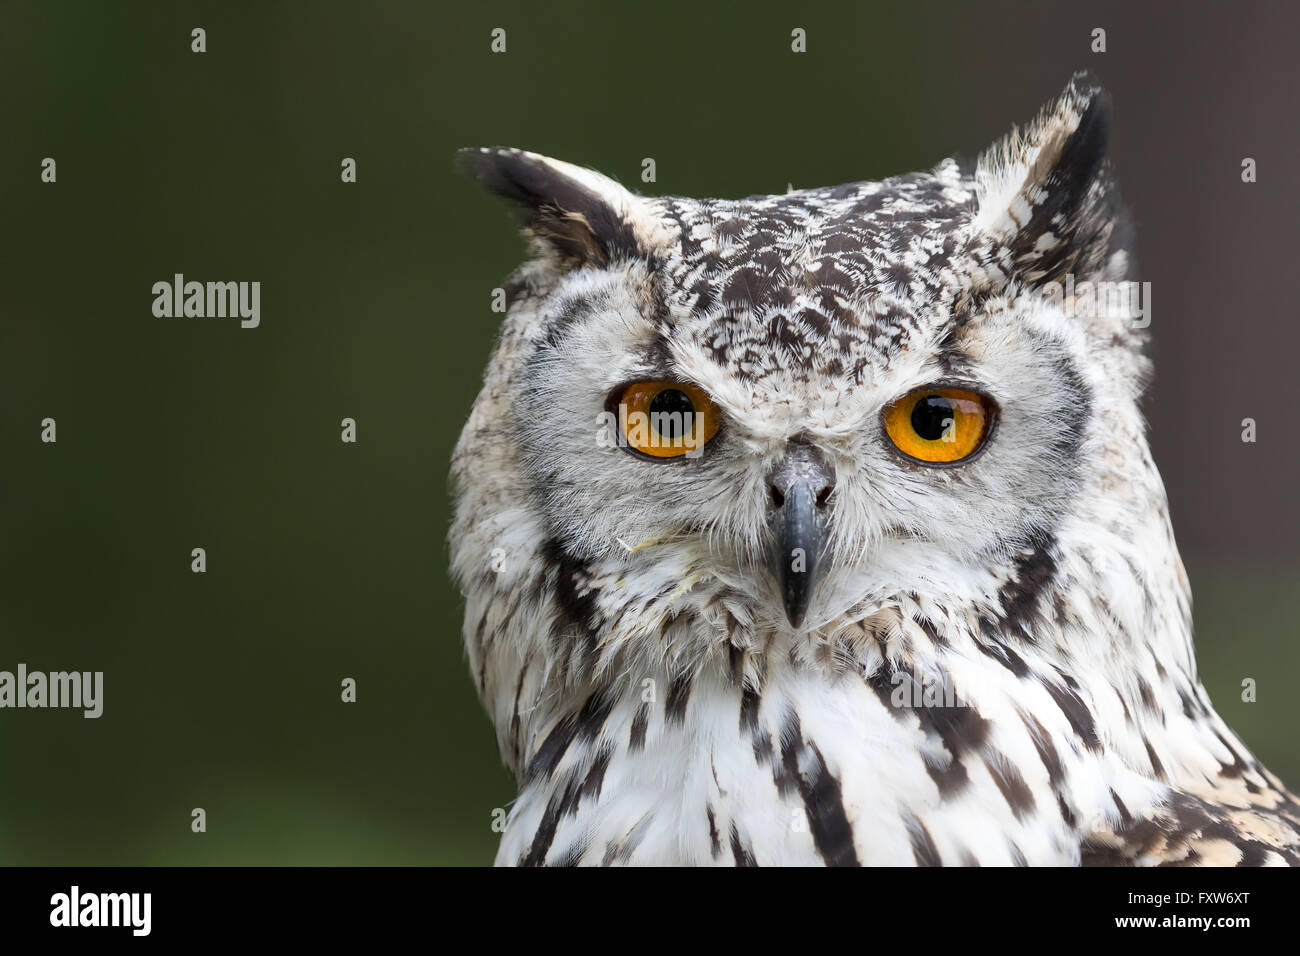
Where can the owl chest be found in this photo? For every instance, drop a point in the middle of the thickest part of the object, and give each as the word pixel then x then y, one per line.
pixel 804 774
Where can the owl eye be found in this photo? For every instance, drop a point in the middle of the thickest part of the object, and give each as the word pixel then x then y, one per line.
pixel 939 426
pixel 665 419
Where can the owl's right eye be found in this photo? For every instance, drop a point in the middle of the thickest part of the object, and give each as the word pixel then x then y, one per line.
pixel 940 426
pixel 665 419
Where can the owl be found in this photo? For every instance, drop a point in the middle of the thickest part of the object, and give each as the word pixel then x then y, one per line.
pixel 822 528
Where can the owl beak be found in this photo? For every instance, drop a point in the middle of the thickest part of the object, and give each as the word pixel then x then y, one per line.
pixel 800 488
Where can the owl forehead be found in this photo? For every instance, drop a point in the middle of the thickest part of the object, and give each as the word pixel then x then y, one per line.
pixel 818 283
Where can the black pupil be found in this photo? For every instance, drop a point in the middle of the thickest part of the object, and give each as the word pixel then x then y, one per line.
pixel 932 416
pixel 672 405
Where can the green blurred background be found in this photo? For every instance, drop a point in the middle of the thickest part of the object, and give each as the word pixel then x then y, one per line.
pixel 328 560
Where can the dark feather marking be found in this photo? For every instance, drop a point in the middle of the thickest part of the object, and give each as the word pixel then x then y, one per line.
pixel 1146 695
pixel 1157 767
pixel 951 778
pixel 924 852
pixel 1019 597
pixel 595 779
pixel 736 664
pixel 1017 793
pixel 960 728
pixel 621 851
pixel 1238 767
pixel 742 855
pixel 1042 741
pixel 749 710
pixel 561 799
pixel 553 748
pixel 564 802
pixel 824 804
pixel 1074 411
pixel 715 839
pixel 758 735
pixel 932 632
pixel 995 648
pixel 679 694
pixel 1253 853
pixel 587 724
pixel 640 722
pixel 823 800
pixel 577 606
pixel 1076 712
pixel 1066 813
pixel 572 856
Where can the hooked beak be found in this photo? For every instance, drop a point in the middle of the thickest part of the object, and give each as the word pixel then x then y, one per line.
pixel 798 517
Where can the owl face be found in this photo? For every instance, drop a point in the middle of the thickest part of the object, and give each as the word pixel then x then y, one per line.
pixel 812 401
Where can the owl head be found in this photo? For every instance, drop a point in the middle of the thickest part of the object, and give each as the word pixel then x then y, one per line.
pixel 811 401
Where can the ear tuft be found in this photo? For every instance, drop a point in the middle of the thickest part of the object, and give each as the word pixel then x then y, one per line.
pixel 1046 193
pixel 580 215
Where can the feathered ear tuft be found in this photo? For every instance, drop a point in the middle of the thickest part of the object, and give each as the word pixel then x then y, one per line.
pixel 1046 193
pixel 582 216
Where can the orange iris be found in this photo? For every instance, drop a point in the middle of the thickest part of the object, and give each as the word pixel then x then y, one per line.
pixel 939 425
pixel 666 419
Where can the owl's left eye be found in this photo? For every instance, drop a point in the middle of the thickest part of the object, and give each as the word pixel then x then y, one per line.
pixel 940 426
pixel 665 419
